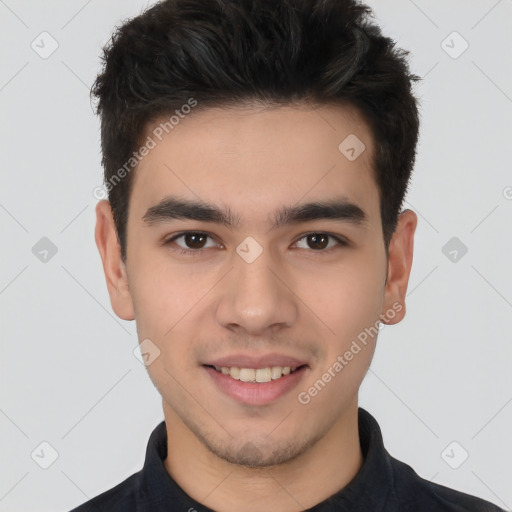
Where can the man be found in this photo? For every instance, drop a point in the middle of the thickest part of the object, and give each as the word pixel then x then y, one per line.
pixel 256 158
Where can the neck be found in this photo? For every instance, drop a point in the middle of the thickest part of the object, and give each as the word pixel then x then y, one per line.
pixel 325 468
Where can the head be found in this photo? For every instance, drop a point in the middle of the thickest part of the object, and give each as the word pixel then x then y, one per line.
pixel 281 136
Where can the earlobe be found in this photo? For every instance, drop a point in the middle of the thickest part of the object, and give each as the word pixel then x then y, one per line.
pixel 113 266
pixel 400 260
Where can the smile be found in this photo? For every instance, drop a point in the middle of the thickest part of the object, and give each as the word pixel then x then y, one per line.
pixel 256 386
pixel 261 375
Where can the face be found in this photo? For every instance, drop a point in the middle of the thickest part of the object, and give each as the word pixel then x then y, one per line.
pixel 256 307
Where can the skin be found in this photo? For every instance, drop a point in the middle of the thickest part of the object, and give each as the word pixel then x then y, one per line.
pixel 294 299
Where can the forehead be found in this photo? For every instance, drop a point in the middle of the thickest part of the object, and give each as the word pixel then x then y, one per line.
pixel 256 159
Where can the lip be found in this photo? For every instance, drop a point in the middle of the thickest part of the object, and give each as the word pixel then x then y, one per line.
pixel 256 393
pixel 254 362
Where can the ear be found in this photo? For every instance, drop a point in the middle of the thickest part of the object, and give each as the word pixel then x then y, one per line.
pixel 400 256
pixel 113 266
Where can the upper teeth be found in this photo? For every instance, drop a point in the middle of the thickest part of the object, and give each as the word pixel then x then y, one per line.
pixel 255 374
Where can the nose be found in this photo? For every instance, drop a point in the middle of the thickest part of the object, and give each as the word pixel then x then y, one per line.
pixel 257 297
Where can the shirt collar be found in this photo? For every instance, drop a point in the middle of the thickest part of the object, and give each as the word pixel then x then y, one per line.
pixel 368 490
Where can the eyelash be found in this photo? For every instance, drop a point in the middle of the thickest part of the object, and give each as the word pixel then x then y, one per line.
pixel 197 252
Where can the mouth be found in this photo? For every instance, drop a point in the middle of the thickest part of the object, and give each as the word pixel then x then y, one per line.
pixel 259 375
pixel 256 380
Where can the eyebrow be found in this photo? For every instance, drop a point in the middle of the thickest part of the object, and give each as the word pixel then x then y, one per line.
pixel 171 207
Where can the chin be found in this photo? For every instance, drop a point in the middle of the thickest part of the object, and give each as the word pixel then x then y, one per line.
pixel 262 453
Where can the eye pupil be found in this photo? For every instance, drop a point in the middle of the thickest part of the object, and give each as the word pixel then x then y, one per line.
pixel 195 240
pixel 319 241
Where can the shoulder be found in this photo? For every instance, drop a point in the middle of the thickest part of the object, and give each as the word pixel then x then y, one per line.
pixel 120 498
pixel 420 495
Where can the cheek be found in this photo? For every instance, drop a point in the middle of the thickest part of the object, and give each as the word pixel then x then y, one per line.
pixel 347 298
pixel 162 294
pixel 165 299
pixel 350 306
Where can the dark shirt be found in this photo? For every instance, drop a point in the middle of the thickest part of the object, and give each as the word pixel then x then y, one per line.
pixel 383 483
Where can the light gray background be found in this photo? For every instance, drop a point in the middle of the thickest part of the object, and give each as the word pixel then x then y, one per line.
pixel 68 373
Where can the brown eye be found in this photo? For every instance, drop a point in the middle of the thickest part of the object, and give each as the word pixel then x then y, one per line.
pixel 190 242
pixel 195 240
pixel 320 242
